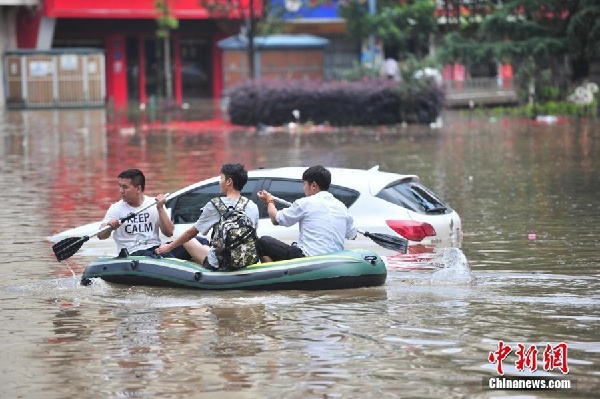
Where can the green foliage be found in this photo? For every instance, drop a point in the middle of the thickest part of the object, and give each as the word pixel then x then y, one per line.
pixel 268 21
pixel 412 64
pixel 548 93
pixel 357 73
pixel 403 25
pixel 583 32
pixel 272 22
pixel 359 24
pixel 468 51
pixel 513 31
pixel 408 68
pixel 393 23
pixel 562 108
pixel 165 21
pixel 251 21
pixel 556 108
pixel 536 36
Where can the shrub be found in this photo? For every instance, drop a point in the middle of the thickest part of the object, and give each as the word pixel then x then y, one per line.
pixel 366 103
pixel 560 108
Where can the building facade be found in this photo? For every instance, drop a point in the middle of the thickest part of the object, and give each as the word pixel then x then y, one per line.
pixel 321 18
pixel 134 57
pixel 8 30
pixel 135 68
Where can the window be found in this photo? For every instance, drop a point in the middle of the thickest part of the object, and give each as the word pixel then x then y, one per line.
pixel 414 196
pixel 347 196
pixel 291 190
pixel 187 207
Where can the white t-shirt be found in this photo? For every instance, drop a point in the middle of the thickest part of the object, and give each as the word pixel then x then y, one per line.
pixel 390 68
pixel 140 232
pixel 210 216
pixel 324 223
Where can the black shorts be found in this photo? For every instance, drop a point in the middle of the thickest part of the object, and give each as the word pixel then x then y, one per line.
pixel 277 250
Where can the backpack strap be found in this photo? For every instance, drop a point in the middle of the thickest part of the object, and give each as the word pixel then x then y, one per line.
pixel 221 208
pixel 243 202
pixel 219 205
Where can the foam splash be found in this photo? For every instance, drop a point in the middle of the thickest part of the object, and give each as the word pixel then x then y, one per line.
pixel 453 268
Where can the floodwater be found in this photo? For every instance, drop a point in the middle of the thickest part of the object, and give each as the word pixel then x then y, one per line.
pixel 527 195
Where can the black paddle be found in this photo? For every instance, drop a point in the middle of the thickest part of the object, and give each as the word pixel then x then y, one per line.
pixel 66 248
pixel 398 244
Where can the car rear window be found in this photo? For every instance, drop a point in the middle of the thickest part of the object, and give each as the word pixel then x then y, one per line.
pixel 414 196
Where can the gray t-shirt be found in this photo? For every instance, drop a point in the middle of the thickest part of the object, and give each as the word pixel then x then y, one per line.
pixel 210 216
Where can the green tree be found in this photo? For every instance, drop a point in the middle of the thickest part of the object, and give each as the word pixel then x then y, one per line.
pixel 406 25
pixel 359 23
pixel 583 31
pixel 227 12
pixel 539 37
pixel 250 19
pixel 166 23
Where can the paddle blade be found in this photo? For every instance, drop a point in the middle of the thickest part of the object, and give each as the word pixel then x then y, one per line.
pixel 66 248
pixel 398 244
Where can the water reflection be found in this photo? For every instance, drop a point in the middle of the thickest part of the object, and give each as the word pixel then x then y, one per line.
pixel 416 336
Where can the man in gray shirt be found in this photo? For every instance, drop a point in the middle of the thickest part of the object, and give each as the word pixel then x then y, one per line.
pixel 324 221
pixel 233 179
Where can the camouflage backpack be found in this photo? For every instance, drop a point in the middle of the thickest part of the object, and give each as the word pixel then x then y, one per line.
pixel 234 237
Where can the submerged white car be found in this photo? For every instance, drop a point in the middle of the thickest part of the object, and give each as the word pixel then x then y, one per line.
pixel 380 202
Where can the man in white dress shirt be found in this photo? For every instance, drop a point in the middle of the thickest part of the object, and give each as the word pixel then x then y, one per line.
pixel 323 220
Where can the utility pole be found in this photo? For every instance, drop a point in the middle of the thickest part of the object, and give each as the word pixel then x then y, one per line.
pixel 371 42
pixel 166 22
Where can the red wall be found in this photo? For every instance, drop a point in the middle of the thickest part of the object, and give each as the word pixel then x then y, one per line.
pixel 116 70
pixel 116 62
pixel 28 26
pixel 217 66
pixel 137 9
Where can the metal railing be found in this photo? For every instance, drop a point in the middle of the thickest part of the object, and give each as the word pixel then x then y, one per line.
pixel 479 84
pixel 480 91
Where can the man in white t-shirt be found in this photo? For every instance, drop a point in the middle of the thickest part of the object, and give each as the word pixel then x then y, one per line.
pixel 324 221
pixel 140 235
pixel 233 179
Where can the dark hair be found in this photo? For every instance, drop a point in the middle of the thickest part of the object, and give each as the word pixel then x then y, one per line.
pixel 136 176
pixel 237 173
pixel 319 175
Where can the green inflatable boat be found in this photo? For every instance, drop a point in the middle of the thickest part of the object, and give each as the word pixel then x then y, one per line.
pixel 339 270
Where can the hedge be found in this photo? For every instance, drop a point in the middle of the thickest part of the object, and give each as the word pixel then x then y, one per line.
pixel 366 103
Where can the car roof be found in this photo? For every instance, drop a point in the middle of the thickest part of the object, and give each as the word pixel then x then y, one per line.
pixel 372 180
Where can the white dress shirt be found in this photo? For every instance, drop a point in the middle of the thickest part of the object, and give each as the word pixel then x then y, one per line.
pixel 324 223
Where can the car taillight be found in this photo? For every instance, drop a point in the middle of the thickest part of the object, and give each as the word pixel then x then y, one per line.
pixel 411 230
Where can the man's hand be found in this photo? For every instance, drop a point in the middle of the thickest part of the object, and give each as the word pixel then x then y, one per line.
pixel 163 249
pixel 114 224
pixel 161 199
pixel 265 196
